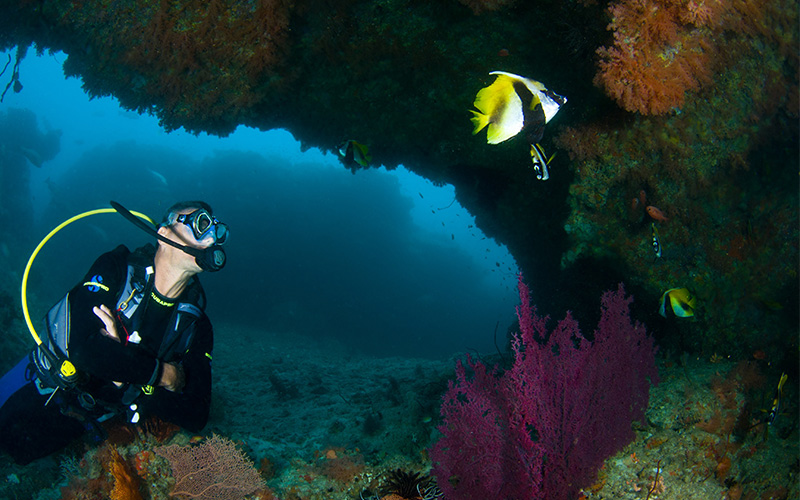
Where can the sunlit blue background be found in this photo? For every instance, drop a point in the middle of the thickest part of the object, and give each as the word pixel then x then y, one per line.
pixel 383 260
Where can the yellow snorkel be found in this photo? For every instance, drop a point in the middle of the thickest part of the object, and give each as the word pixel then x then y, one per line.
pixel 66 369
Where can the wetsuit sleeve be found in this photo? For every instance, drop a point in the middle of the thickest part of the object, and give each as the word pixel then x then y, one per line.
pixel 189 408
pixel 90 350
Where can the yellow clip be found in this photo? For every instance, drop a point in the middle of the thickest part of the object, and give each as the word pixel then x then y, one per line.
pixel 124 304
pixel 68 369
pixel 208 356
pixel 148 390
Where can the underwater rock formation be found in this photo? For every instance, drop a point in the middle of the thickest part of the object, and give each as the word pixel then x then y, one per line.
pixel 716 150
pixel 22 146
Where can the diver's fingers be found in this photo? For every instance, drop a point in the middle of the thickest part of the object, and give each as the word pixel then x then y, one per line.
pixel 110 335
pixel 104 313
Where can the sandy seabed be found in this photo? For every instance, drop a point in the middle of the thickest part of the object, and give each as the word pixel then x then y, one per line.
pixel 322 421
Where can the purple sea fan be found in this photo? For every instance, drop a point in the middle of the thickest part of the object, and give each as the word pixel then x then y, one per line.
pixel 542 429
pixel 478 456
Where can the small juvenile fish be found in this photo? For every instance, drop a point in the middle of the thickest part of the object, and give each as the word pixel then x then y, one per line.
pixel 656 214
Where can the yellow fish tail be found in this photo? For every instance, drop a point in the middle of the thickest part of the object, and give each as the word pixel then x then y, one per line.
pixel 479 120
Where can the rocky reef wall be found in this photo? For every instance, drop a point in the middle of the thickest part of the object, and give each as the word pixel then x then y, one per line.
pixel 689 106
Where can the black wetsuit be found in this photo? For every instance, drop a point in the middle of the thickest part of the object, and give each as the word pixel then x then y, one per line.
pixel 29 429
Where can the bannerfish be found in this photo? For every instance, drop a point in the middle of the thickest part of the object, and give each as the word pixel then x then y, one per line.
pixel 656 240
pixel 681 301
pixel 511 104
pixel 540 162
pixel 352 153
pixel 776 401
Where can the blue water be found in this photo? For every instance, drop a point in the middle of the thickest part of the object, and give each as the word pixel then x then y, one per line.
pixel 385 261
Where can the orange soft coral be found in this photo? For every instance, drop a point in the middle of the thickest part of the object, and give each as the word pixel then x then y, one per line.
pixel 126 486
pixel 650 83
pixel 659 52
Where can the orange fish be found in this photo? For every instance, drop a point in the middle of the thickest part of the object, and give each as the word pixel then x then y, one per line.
pixel 656 213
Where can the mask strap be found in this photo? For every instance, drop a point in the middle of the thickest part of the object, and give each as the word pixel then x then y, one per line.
pixel 150 230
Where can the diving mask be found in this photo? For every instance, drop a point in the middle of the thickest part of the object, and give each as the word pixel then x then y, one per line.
pixel 210 259
pixel 203 224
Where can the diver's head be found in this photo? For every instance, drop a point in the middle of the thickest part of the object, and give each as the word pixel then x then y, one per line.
pixel 192 224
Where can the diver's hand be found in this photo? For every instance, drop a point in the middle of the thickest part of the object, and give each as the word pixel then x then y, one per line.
pixel 110 330
pixel 105 315
pixel 172 377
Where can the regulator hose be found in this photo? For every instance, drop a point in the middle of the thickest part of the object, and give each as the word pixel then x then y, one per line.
pixel 41 244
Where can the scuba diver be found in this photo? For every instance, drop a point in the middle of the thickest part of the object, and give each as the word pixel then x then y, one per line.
pixel 131 340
